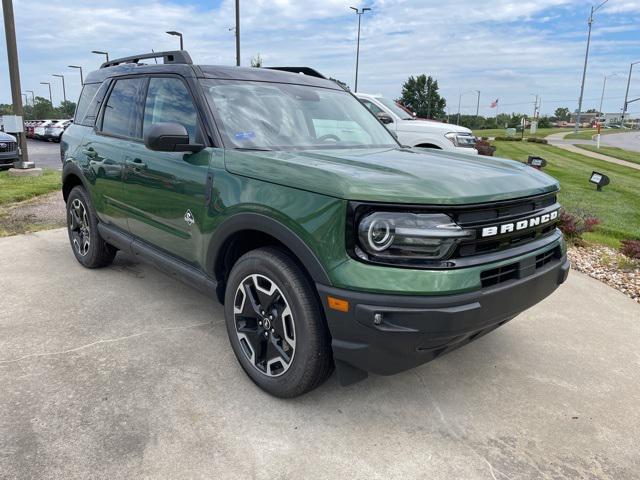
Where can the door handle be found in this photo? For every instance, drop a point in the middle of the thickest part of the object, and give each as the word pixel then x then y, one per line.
pixel 136 163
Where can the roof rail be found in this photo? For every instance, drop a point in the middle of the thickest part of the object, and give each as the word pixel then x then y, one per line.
pixel 176 56
pixel 304 70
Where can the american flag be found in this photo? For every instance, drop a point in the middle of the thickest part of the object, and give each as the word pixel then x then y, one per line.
pixel 494 104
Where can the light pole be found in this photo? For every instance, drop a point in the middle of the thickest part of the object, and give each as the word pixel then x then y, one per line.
pixel 33 97
pixel 177 34
pixel 626 95
pixel 478 107
pixel 359 13
pixel 238 33
pixel 50 96
pixel 99 52
pixel 14 78
pixel 460 101
pixel 584 71
pixel 64 89
pixel 80 68
pixel 24 98
pixel 604 84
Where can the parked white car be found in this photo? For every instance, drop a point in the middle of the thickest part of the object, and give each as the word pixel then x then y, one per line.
pixel 416 132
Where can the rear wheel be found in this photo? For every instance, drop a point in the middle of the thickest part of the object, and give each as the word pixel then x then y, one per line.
pixel 82 225
pixel 275 324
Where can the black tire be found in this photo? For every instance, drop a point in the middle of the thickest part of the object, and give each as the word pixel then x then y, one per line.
pixel 82 224
pixel 310 362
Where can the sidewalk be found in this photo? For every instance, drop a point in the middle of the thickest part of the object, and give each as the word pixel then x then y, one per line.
pixel 557 140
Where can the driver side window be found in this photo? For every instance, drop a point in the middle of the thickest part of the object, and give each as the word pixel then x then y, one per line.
pixel 168 100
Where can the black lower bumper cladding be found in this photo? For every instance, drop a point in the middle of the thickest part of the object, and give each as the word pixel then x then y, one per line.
pixel 387 334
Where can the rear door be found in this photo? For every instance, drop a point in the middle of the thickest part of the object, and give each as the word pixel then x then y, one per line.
pixel 165 191
pixel 117 127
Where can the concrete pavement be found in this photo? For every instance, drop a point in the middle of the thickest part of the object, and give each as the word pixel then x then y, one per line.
pixel 124 373
pixel 45 154
pixel 558 140
pixel 626 141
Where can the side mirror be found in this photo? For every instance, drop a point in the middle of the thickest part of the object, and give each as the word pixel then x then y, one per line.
pixel 384 118
pixel 169 137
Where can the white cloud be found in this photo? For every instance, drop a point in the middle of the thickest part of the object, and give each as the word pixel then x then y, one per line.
pixel 506 48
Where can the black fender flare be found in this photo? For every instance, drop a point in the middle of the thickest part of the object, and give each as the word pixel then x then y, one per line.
pixel 72 168
pixel 269 226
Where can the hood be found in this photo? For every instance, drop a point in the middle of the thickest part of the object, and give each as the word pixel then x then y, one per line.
pixel 422 125
pixel 5 137
pixel 394 175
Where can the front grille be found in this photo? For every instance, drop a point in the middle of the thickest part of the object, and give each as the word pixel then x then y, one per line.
pixel 520 269
pixel 7 146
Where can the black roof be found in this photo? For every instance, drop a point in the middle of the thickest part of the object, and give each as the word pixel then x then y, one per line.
pixel 179 62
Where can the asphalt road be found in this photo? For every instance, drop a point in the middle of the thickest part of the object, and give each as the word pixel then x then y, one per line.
pixel 626 141
pixel 124 373
pixel 45 154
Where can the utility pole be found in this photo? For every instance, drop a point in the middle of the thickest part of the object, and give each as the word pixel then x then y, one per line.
pixel 238 33
pixel 626 95
pixel 359 13
pixel 604 84
pixel 584 71
pixel 478 107
pixel 14 77
pixel 64 89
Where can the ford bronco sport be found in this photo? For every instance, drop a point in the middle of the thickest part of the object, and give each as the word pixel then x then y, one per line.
pixel 328 243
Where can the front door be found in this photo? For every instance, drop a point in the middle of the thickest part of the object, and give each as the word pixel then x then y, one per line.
pixel 165 191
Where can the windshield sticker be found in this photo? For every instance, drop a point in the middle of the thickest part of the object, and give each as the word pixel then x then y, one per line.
pixel 244 135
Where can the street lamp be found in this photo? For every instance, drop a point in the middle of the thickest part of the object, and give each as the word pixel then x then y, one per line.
pixel 604 84
pixel 626 95
pixel 478 106
pixel 24 97
pixel 64 90
pixel 98 52
pixel 177 34
pixel 460 101
pixel 33 96
pixel 586 59
pixel 80 68
pixel 50 96
pixel 359 13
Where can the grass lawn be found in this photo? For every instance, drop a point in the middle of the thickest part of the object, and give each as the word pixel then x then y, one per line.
pixel 616 152
pixel 500 132
pixel 588 133
pixel 617 206
pixel 17 189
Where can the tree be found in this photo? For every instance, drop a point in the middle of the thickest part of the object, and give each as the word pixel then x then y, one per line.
pixel 544 122
pixel 66 109
pixel 562 114
pixel 256 61
pixel 420 94
pixel 591 110
pixel 42 109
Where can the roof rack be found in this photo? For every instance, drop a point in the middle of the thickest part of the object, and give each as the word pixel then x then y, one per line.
pixel 176 56
pixel 304 70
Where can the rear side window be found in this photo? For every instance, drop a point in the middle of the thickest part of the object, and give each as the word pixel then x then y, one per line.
pixel 86 97
pixel 121 112
pixel 168 100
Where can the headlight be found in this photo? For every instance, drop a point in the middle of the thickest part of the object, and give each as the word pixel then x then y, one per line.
pixel 389 236
pixel 461 139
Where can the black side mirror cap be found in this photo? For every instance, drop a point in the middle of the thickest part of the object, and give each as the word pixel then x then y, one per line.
pixel 169 137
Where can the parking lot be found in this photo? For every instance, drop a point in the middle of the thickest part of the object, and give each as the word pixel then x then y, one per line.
pixel 124 373
pixel 44 154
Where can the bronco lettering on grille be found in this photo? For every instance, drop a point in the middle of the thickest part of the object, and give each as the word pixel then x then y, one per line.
pixel 519 225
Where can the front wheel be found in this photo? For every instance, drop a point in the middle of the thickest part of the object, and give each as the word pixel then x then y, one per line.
pixel 275 324
pixel 82 224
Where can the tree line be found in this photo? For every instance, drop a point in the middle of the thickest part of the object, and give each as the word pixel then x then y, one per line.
pixel 42 110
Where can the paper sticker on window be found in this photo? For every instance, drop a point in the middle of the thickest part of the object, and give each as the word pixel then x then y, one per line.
pixel 244 135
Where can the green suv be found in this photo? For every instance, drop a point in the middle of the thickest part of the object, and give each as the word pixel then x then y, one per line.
pixel 328 243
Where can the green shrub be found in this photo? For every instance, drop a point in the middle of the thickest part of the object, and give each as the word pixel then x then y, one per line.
pixel 509 139
pixel 537 140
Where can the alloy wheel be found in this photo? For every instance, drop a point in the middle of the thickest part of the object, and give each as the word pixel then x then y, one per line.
pixel 264 325
pixel 79 227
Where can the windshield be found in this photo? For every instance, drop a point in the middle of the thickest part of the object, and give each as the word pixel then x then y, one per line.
pixel 279 116
pixel 391 105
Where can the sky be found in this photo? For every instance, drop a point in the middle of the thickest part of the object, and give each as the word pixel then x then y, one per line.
pixel 510 50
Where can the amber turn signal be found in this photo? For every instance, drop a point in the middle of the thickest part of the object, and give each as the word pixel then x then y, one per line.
pixel 338 304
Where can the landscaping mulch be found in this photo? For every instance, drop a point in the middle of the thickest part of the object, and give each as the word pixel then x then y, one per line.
pixel 608 266
pixel 40 213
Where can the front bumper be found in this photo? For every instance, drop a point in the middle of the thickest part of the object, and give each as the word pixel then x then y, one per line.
pixel 7 158
pixel 417 329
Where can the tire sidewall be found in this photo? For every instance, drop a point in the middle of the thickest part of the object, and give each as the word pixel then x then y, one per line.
pixel 272 267
pixel 91 257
